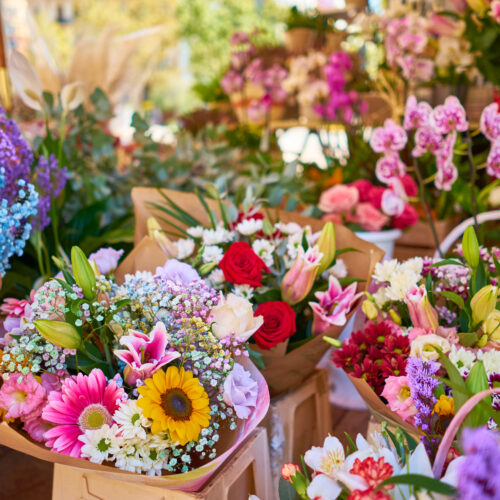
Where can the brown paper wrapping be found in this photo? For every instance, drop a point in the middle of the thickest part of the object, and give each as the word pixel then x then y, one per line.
pixel 283 372
pixel 379 410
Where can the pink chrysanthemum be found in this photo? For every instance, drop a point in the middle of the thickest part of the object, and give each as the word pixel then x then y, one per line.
pixel 85 402
pixel 20 395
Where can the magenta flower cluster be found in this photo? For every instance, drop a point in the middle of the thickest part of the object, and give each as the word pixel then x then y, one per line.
pixel 490 127
pixel 342 104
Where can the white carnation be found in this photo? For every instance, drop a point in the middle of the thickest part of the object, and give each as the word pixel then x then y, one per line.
pixel 245 291
pixel 249 226
pixel 185 247
pixel 216 277
pixel 264 249
pixel 384 271
pixel 212 253
pixel 216 236
pixel 195 232
pixel 413 265
pixel 290 228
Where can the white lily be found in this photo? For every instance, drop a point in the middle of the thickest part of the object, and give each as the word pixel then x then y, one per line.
pixel 72 95
pixel 25 81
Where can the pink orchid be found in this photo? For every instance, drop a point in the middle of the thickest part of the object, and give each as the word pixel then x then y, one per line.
pixel 489 123
pixel 493 160
pixel 390 137
pixel 388 167
pixel 445 26
pixel 145 354
pixel 416 68
pixel 446 174
pixel 426 140
pixel 333 305
pixel 231 82
pixel 449 116
pixel 495 10
pixel 394 199
pixel 417 114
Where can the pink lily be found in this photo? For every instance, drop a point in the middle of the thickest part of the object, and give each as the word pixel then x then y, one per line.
pixel 333 305
pixel 422 314
pixel 145 354
pixel 299 280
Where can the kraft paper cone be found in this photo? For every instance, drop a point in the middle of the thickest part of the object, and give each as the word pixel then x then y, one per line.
pixel 379 410
pixel 188 481
pixel 283 372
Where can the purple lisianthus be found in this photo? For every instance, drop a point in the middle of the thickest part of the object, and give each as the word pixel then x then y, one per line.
pixel 106 259
pixel 240 391
pixel 478 474
pixel 178 272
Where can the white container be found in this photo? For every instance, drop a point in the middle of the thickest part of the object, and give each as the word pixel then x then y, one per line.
pixel 385 240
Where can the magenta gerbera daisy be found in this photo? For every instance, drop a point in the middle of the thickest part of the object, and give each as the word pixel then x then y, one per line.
pixel 85 402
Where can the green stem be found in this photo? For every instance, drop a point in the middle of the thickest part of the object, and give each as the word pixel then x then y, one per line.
pixel 427 208
pixel 472 173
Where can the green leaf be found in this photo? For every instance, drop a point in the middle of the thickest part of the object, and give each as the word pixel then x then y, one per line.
pixel 257 358
pixel 205 206
pixel 340 251
pixel 448 262
pixel 352 444
pixel 286 491
pixel 454 297
pixel 460 395
pixel 468 339
pixel 421 482
pixel 477 381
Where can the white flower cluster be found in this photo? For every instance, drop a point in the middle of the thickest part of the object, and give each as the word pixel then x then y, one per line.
pixel 464 359
pixel 127 442
pixel 398 278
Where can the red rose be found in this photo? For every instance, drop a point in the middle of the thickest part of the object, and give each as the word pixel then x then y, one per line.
pixel 408 217
pixel 279 324
pixel 409 185
pixel 363 186
pixel 242 266
pixel 374 196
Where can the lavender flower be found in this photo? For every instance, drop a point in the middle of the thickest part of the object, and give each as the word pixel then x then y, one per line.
pixel 50 181
pixel 178 272
pixel 478 474
pixel 422 383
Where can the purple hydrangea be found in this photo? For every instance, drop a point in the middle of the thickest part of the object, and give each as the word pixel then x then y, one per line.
pixel 478 475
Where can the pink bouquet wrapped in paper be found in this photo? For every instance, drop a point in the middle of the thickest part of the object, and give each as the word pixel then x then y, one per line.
pixel 136 377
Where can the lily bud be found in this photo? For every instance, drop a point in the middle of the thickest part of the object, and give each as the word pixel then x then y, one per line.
pixel 491 326
pixel 289 470
pixel 470 247
pixel 422 314
pixel 72 95
pixel 59 333
pixel 395 316
pixel 483 303
pixel 326 245
pixel 333 342
pixel 207 267
pixel 83 272
pixel 299 280
pixel 155 232
pixel 369 310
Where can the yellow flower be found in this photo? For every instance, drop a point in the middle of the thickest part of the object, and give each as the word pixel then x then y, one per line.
pixel 444 406
pixel 176 402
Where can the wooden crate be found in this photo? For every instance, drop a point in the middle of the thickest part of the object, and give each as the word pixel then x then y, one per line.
pixel 297 421
pixel 246 472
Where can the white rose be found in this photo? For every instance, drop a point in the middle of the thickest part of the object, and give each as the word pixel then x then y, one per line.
pixel 424 346
pixel 234 315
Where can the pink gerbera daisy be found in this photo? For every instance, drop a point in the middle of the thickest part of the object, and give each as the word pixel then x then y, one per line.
pixel 21 395
pixel 85 402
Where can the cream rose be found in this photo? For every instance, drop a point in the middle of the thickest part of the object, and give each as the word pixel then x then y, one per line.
pixel 234 315
pixel 424 346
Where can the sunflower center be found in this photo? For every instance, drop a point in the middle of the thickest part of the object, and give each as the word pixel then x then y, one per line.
pixel 177 404
pixel 94 417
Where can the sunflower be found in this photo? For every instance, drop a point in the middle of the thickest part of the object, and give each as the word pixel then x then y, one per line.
pixel 176 402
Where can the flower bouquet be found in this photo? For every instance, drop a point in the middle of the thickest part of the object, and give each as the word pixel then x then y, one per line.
pixel 432 341
pixel 127 376
pixel 290 270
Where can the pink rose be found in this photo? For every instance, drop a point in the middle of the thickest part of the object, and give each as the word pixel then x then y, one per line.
pixel 363 186
pixel 369 218
pixel 417 332
pixel 338 199
pixel 398 395
pixel 375 196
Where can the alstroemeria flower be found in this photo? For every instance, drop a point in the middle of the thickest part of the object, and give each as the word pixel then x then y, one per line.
pixel 145 354
pixel 333 305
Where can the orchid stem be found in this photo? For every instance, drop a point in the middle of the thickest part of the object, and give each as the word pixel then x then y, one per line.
pixel 427 208
pixel 472 171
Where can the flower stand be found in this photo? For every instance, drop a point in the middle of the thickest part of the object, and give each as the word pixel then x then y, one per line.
pixel 296 421
pixel 246 472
